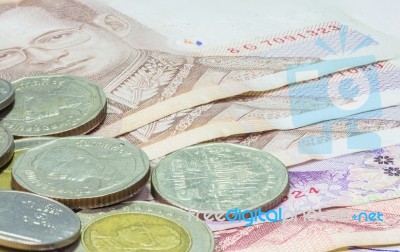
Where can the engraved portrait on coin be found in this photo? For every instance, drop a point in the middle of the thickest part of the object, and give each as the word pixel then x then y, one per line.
pixel 143 226
pixel 134 232
pixel 82 172
pixel 57 105
pixel 21 146
pixel 58 165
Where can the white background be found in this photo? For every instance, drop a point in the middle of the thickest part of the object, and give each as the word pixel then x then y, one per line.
pixel 218 22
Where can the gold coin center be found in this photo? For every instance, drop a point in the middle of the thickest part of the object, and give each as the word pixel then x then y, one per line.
pixel 135 232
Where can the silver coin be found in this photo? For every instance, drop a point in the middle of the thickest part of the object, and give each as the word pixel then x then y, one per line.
pixel 28 143
pixel 54 105
pixel 7 93
pixel 218 177
pixel 6 146
pixel 21 146
pixel 82 172
pixel 32 222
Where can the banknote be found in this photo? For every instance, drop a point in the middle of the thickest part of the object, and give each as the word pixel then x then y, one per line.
pixel 376 248
pixel 285 108
pixel 228 86
pixel 220 82
pixel 144 80
pixel 287 145
pixel 353 179
pixel 317 235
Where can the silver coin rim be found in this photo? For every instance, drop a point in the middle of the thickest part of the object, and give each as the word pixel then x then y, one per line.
pixel 49 245
pixel 99 110
pixel 142 162
pixel 10 98
pixel 26 143
pixel 8 152
pixel 254 205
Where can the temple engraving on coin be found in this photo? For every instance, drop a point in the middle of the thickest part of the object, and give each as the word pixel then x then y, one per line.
pixel 215 177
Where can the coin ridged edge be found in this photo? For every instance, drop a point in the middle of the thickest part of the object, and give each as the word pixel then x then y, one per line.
pixel 10 98
pixel 86 127
pixel 40 247
pixel 94 202
pixel 43 247
pixel 7 156
pixel 270 205
pixel 200 213
pixel 80 130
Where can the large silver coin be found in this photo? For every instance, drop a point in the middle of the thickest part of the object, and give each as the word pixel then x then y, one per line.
pixel 214 178
pixel 82 172
pixel 32 222
pixel 7 93
pixel 6 146
pixel 143 226
pixel 54 105
pixel 21 146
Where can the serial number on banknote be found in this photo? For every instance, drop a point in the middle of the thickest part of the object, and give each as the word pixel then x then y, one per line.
pixel 284 39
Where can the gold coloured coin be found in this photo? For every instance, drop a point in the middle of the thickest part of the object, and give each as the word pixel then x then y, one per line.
pixel 135 231
pixel 144 226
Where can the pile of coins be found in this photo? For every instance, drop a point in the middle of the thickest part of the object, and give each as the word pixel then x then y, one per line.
pixel 51 174
pixel 7 94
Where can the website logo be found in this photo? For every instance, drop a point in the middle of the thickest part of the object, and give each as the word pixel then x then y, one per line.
pixel 348 87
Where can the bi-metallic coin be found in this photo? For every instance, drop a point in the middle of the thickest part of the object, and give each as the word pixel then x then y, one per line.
pixel 144 226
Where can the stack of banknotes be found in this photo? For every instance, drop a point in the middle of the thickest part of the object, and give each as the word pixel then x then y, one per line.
pixel 323 99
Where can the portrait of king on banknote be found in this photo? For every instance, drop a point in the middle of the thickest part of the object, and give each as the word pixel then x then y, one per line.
pixel 147 133
pixel 70 37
